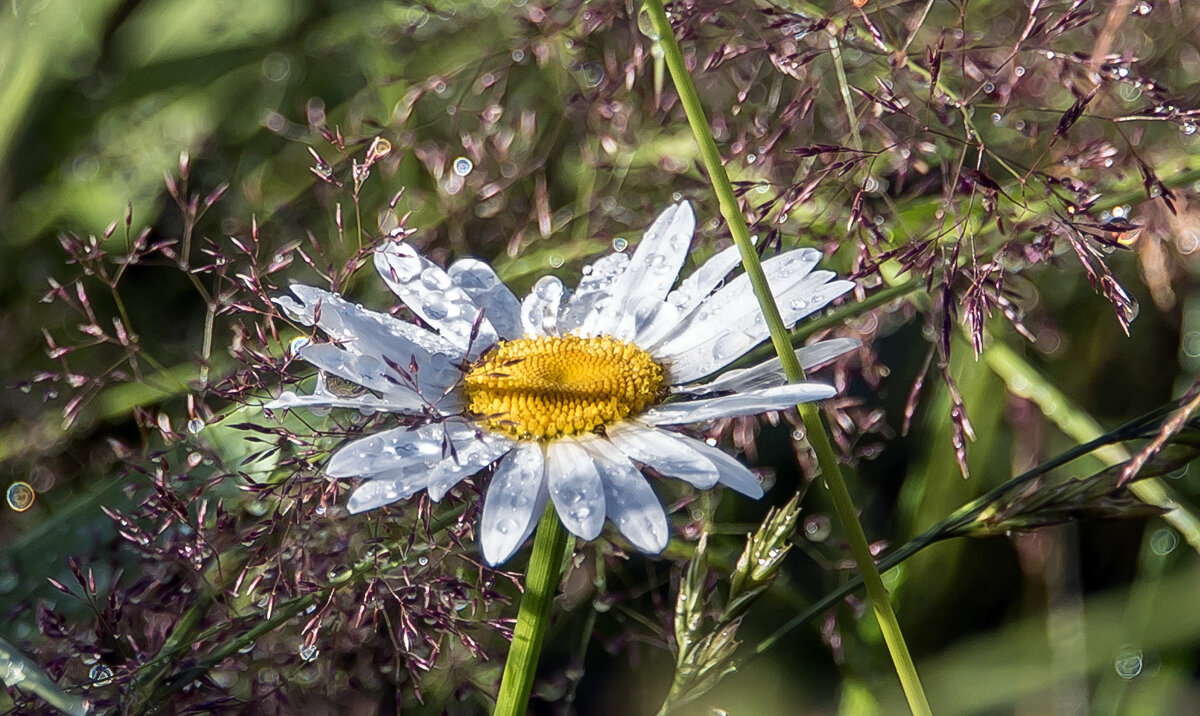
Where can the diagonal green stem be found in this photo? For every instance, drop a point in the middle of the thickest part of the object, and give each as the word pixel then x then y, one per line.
pixel 545 567
pixel 815 427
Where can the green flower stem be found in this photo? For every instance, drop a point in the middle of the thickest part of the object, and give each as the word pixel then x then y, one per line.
pixel 541 579
pixel 817 434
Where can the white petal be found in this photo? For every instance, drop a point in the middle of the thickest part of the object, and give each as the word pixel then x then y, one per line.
pixel 488 292
pixel 377 338
pixel 515 500
pixel 736 299
pixel 630 502
pixel 652 270
pixel 365 370
pixel 668 453
pixel 734 474
pixel 770 373
pixel 780 397
pixel 539 310
pixel 683 301
pixel 409 478
pixel 585 306
pixel 431 294
pixel 347 322
pixel 575 488
pixel 469 458
pixel 726 326
pixel 322 397
pixel 377 493
pixel 432 449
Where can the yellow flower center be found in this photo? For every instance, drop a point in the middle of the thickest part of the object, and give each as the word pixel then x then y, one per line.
pixel 541 388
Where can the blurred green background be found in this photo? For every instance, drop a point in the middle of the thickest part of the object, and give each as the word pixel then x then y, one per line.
pixel 534 135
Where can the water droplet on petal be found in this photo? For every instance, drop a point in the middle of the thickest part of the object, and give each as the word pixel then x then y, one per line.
pixel 726 346
pixel 435 279
pixel 463 166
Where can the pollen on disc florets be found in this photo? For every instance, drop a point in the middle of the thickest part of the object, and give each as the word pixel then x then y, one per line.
pixel 542 388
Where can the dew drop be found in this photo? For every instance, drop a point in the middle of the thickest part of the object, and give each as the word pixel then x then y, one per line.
pixel 1128 663
pixel 1143 9
pixel 247 648
pixel 320 510
pixel 463 166
pixel 195 425
pixel 591 74
pixel 309 652
pixel 100 675
pixel 1164 541
pixel 817 528
pixel 423 561
pixel 297 343
pixel 518 55
pixel 619 244
pixel 556 261
pixel 20 496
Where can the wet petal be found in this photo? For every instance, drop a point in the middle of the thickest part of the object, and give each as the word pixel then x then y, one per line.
pixel 470 456
pixel 682 301
pixel 780 397
pixel 350 323
pixel 539 310
pixel 629 500
pixel 398 449
pixel 770 373
pixel 447 450
pixel 723 328
pixel 380 492
pixel 652 269
pixel 323 397
pixel 515 500
pixel 734 474
pixel 366 341
pixel 488 292
pixel 575 488
pixel 668 453
pixel 591 297
pixel 431 294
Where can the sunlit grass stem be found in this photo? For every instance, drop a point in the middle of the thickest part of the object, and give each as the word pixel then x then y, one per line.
pixel 817 435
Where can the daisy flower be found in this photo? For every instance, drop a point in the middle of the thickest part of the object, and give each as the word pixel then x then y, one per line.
pixel 569 394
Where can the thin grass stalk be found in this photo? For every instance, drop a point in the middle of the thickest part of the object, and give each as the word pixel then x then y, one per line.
pixel 952 525
pixel 813 424
pixel 1024 380
pixel 541 579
